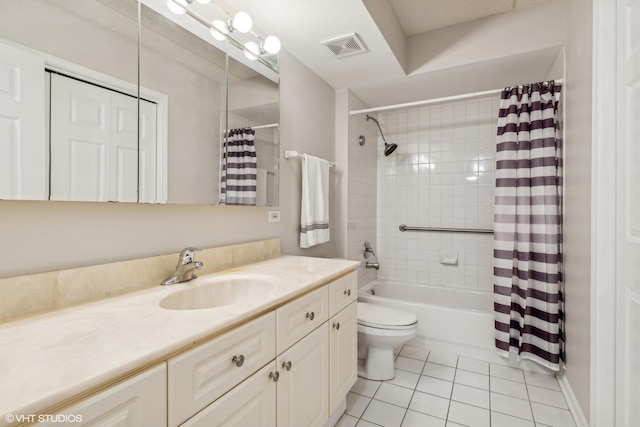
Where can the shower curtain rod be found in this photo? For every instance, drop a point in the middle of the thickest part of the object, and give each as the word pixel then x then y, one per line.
pixel 272 125
pixel 434 100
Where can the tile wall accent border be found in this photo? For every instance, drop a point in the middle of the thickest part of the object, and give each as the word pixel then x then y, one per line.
pixel 31 294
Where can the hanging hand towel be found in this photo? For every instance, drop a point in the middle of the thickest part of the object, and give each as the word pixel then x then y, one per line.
pixel 314 210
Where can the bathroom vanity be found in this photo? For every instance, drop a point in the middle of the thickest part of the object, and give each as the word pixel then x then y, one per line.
pixel 284 353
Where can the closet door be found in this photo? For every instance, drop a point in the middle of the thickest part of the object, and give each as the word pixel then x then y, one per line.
pixel 123 146
pixel 94 142
pixel 22 116
pixel 80 138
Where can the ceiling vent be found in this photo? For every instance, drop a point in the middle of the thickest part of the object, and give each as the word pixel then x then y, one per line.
pixel 345 45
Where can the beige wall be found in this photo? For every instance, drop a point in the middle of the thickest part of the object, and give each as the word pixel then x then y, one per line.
pixel 577 214
pixel 307 119
pixel 363 189
pixel 42 236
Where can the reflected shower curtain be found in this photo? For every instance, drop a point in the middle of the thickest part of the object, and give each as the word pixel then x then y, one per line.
pixel 528 288
pixel 238 171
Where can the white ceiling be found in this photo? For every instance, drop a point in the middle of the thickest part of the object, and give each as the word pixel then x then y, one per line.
pixel 419 16
pixel 380 76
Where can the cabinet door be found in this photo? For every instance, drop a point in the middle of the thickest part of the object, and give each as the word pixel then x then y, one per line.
pixel 296 319
pixel 252 403
pixel 343 350
pixel 342 292
pixel 203 374
pixel 138 401
pixel 303 387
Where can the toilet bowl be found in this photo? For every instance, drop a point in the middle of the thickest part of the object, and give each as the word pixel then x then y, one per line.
pixel 380 330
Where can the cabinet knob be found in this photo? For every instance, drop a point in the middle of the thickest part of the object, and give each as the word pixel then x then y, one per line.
pixel 311 315
pixel 348 292
pixel 275 376
pixel 238 360
pixel 286 365
pixel 336 325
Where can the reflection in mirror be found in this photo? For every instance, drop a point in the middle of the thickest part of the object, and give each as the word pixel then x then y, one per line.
pixel 253 111
pixel 70 69
pixel 190 74
pixel 69 119
pixel 179 60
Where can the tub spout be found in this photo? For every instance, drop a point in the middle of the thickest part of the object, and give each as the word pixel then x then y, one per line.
pixel 372 265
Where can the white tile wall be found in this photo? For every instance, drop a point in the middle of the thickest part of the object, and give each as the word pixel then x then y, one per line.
pixel 441 175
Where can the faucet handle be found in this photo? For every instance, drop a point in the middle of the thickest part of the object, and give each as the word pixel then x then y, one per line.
pixel 187 256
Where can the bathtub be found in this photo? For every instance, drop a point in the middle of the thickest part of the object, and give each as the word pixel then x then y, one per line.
pixel 452 320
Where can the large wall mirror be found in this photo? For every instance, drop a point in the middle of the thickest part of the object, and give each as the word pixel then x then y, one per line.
pixel 111 100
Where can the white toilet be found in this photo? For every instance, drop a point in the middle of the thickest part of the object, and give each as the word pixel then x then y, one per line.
pixel 380 330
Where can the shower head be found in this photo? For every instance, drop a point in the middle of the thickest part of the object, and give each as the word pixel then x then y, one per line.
pixel 388 148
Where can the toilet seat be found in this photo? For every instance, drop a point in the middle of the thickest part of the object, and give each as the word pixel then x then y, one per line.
pixel 380 317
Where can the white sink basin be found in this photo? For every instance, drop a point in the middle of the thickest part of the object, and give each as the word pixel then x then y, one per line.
pixel 221 291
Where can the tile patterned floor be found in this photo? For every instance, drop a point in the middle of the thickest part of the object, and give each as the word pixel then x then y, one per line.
pixel 444 390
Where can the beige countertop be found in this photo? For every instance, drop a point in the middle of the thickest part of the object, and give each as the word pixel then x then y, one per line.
pixel 52 357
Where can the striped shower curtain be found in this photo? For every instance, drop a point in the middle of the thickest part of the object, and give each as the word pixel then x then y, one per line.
pixel 528 288
pixel 238 172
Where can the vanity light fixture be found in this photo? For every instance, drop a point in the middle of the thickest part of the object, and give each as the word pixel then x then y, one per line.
pixel 176 6
pixel 221 30
pixel 271 45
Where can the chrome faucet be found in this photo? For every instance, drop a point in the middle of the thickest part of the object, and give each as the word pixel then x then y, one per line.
pixel 185 268
pixel 372 265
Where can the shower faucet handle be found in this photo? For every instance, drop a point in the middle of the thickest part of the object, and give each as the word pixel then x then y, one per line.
pixel 367 249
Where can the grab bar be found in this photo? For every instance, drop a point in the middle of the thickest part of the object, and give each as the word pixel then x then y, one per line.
pixel 404 228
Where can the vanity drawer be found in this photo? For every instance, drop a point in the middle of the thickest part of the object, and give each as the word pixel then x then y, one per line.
pixel 199 376
pixel 342 292
pixel 296 319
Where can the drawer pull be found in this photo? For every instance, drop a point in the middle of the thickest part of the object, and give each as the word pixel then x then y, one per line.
pixel 311 315
pixel 336 326
pixel 275 376
pixel 348 292
pixel 238 360
pixel 286 365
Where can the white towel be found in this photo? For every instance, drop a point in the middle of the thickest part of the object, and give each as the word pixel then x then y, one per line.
pixel 314 209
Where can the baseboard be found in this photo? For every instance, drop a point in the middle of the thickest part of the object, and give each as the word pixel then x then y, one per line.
pixel 572 401
pixel 337 413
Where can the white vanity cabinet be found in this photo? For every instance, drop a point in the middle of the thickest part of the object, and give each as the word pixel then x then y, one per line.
pixel 314 365
pixel 252 403
pixel 303 386
pixel 138 401
pixel 201 375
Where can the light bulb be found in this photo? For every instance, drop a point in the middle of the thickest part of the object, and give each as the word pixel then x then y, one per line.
pixel 173 7
pixel 251 50
pixel 219 30
pixel 272 44
pixel 242 22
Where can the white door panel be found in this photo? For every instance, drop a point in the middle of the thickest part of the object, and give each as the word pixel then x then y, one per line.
pixel 23 167
pixel 628 234
pixel 80 134
pixel 149 169
pixel 124 148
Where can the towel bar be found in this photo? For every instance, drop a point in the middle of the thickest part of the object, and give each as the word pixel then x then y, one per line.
pixel 290 154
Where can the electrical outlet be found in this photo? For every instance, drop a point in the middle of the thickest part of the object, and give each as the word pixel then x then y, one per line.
pixel 274 216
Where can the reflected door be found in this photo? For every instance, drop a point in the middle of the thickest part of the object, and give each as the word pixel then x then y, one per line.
pixel 94 143
pixel 22 142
